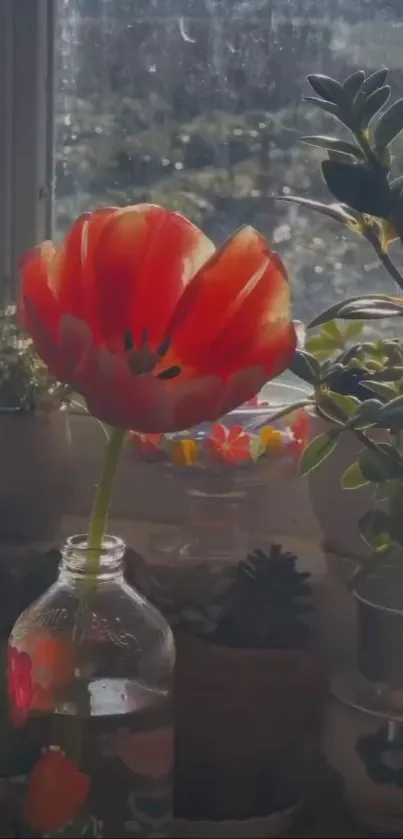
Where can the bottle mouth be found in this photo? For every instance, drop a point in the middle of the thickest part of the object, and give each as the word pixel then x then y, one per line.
pixel 76 553
pixel 79 543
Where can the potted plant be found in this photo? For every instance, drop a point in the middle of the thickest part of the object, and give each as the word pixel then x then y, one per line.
pixel 248 691
pixel 358 394
pixel 35 459
pixel 359 171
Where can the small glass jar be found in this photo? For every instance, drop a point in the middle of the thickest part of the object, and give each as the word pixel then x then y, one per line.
pixel 90 677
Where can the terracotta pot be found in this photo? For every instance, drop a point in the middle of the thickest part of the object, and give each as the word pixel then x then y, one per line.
pixel 36 476
pixel 242 718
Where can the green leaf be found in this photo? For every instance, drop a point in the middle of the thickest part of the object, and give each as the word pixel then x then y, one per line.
pixel 366 415
pixel 305 366
pixel 385 490
pixel 371 105
pixel 379 466
pixel 370 305
pixel 333 144
pixel 372 309
pixel 353 477
pixel 374 529
pixel 329 107
pixel 317 451
pixel 385 390
pixel 397 183
pixel 321 346
pixel 374 81
pixel 390 124
pixel 353 330
pixel 392 413
pixel 327 88
pixel 332 330
pixel 335 211
pixel 361 188
pixel 352 84
pixel 347 405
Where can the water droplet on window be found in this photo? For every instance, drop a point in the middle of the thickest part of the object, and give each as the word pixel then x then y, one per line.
pixel 185 35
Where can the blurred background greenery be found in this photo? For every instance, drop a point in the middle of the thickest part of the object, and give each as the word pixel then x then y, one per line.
pixel 197 105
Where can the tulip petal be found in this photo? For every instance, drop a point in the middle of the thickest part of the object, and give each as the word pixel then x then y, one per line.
pixel 38 310
pixel 71 275
pixel 260 332
pixel 240 387
pixel 116 397
pixel 74 343
pixel 196 401
pixel 144 258
pixel 216 294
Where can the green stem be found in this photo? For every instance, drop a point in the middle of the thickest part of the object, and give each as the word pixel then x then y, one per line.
pixel 102 501
pixel 383 257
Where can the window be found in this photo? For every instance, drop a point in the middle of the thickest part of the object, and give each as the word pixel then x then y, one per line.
pixel 26 130
pixel 195 104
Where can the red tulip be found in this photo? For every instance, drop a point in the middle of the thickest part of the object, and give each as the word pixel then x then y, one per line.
pixel 156 328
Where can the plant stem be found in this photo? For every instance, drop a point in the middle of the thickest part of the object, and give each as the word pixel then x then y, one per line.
pixel 383 257
pixel 289 409
pixel 102 501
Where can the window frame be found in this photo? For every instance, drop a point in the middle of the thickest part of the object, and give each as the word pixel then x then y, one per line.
pixel 26 136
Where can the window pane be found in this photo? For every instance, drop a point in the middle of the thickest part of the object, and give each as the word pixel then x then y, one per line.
pixel 196 105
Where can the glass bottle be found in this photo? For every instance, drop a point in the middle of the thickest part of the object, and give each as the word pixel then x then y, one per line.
pixel 90 675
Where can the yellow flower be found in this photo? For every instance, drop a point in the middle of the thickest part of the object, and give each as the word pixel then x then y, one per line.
pixel 272 439
pixel 185 453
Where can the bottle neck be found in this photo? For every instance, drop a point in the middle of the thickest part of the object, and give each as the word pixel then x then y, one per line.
pixel 74 564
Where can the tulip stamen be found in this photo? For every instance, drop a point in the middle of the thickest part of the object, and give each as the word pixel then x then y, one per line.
pixel 169 373
pixel 164 347
pixel 128 342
